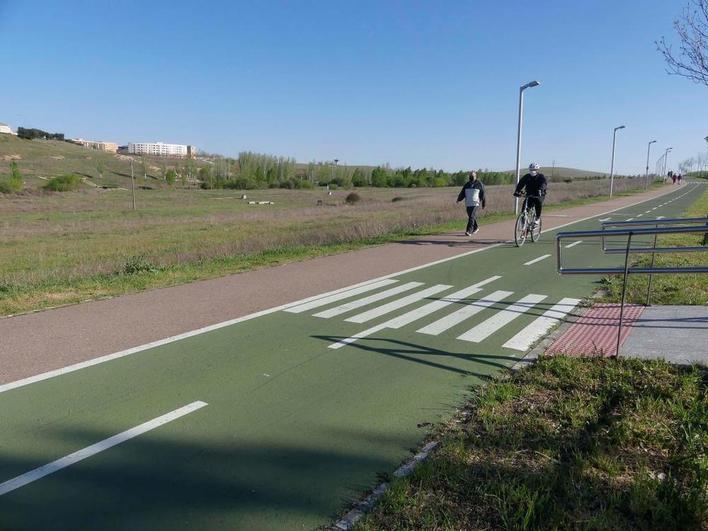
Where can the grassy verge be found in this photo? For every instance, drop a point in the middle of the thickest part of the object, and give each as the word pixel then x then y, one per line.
pixel 140 271
pixel 668 288
pixel 566 444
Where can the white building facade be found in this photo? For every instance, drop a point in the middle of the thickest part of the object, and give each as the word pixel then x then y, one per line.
pixel 159 149
pixel 5 129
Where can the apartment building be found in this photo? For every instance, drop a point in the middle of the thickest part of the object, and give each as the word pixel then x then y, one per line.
pixel 101 145
pixel 160 149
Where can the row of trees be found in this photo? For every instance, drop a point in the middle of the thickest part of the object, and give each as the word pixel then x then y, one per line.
pixel 31 134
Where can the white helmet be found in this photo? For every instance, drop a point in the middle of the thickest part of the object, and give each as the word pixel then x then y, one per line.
pixel 534 166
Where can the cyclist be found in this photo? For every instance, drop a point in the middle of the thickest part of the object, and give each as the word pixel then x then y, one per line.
pixel 535 184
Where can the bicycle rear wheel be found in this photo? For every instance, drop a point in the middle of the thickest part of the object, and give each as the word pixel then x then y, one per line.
pixel 520 229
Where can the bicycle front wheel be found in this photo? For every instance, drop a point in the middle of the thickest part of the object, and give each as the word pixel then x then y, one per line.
pixel 536 230
pixel 520 229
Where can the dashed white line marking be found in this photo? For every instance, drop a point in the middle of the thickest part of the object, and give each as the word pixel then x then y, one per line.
pixel 464 313
pixel 486 328
pixel 573 244
pixel 630 219
pixel 531 262
pixel 418 313
pixel 606 219
pixel 68 460
pixel 395 305
pixel 339 296
pixel 353 305
pixel 535 331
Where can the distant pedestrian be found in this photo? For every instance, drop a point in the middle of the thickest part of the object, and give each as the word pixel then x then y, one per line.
pixel 473 194
pixel 680 176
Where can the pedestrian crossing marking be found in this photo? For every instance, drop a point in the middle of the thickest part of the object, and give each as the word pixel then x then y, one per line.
pixel 486 328
pixel 339 296
pixel 464 313
pixel 538 328
pixel 353 305
pixel 395 305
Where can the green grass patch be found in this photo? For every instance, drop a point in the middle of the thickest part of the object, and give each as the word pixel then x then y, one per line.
pixel 569 443
pixel 668 288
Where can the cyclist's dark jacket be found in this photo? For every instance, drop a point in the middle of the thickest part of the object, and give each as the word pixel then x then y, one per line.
pixel 473 184
pixel 535 185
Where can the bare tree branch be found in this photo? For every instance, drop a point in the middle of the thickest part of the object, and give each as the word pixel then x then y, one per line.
pixel 691 60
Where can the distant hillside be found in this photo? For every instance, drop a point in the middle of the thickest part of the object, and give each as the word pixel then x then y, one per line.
pixel 39 160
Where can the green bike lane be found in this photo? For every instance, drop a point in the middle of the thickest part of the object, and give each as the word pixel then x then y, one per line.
pixel 292 428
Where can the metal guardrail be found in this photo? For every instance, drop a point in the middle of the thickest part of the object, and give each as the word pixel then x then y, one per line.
pixel 652 223
pixel 631 232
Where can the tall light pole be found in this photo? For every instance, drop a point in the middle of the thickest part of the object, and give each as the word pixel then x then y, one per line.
pixel 132 181
pixel 530 84
pixel 333 167
pixel 612 164
pixel 666 160
pixel 646 176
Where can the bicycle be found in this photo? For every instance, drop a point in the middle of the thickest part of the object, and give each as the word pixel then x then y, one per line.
pixel 526 223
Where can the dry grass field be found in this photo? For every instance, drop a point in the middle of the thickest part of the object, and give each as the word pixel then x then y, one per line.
pixel 57 248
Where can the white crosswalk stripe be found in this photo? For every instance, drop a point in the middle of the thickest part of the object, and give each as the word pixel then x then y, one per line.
pixel 324 301
pixel 395 305
pixel 418 313
pixel 464 313
pixel 537 329
pixel 353 305
pixel 570 245
pixel 486 328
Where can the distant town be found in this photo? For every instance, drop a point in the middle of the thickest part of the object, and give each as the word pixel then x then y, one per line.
pixel 152 149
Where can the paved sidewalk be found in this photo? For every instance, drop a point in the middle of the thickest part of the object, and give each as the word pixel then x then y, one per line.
pixel 677 334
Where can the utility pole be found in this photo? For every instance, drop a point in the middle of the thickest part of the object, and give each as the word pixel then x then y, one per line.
pixel 132 182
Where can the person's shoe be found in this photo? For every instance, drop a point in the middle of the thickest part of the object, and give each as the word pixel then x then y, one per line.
pixel 536 223
pixel 468 233
pixel 475 231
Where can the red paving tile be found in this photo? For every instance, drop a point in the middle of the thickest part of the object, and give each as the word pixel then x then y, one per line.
pixel 595 333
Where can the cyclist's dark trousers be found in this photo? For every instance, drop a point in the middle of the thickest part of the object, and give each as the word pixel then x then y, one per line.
pixel 537 204
pixel 472 221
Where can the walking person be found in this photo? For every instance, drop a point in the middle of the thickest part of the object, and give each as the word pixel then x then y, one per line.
pixel 473 194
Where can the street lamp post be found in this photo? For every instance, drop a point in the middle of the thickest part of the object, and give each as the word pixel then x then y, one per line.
pixel 666 160
pixel 333 167
pixel 646 176
pixel 531 84
pixel 612 164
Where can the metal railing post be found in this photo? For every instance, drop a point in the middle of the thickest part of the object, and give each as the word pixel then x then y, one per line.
pixel 624 293
pixel 651 274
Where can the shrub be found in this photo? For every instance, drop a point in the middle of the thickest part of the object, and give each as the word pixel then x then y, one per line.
pixel 138 264
pixel 396 199
pixel 63 183
pixel 352 198
pixel 303 184
pixel 14 182
pixel 171 176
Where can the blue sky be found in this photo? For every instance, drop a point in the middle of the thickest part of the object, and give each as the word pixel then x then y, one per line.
pixel 420 83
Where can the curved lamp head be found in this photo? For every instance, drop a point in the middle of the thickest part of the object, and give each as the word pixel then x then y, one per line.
pixel 530 84
pixel 619 127
pixel 653 142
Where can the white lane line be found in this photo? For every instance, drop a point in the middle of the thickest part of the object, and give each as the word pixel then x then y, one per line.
pixel 535 331
pixel 573 244
pixel 223 324
pixel 648 211
pixel 629 219
pixel 606 219
pixel 639 215
pixel 418 313
pixel 486 328
pixel 353 305
pixel 89 451
pixel 464 313
pixel 661 217
pixel 339 296
pixel 395 305
pixel 531 262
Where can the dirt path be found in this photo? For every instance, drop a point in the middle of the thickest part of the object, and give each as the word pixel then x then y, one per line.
pixel 55 338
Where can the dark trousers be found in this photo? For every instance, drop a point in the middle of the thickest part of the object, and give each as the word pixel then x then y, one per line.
pixel 472 221
pixel 537 204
